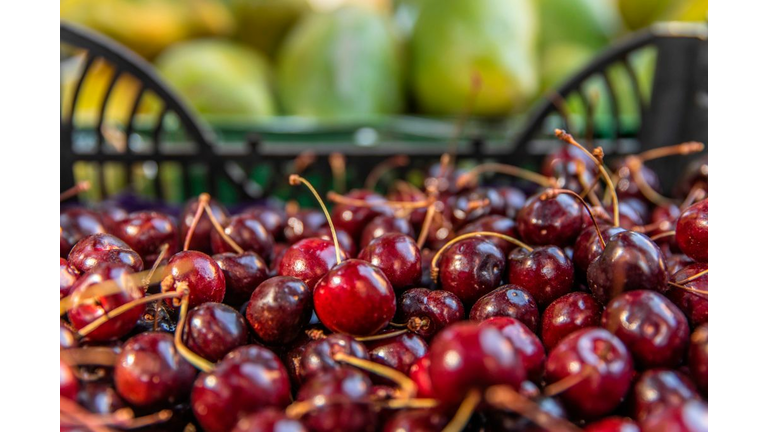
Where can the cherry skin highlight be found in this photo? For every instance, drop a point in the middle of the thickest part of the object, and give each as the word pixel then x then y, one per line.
pixel 318 356
pixel 545 272
pixel 507 301
pixel 308 260
pixel 688 417
pixel 397 256
pixel 613 424
pixel 279 308
pixel 68 383
pixel 658 389
pixel 303 224
pixel 67 277
pixel 550 220
pixel 202 276
pixel 147 232
pixel 494 223
pixel 242 273
pixel 569 313
pixel 350 390
pixel 248 233
pixel 471 268
pixel 103 248
pixel 398 352
pixel 213 330
pixel 384 224
pixel 525 342
pixel 269 420
pixel 692 231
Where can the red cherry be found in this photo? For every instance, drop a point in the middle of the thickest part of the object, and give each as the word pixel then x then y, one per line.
pixel 525 342
pixel 507 301
pixel 550 220
pixel 147 232
pixel 248 233
pixel 695 305
pixel 68 383
pixel 202 276
pixel 273 220
pixel 304 224
pixel 318 356
pixel 568 314
pixel 397 256
pixel 398 352
pixel 67 337
pixel 419 373
pixel 308 260
pixel 544 272
pixel 613 424
pixel 76 223
pixel 279 308
pixel 269 420
pixel 415 421
pixel 384 224
pixel 692 231
pixel 67 277
pixel 471 268
pixel 346 242
pixel 242 273
pixel 103 248
pixel 353 219
pixel 497 224
pixel 688 417
pixel 213 329
pixel 433 310
pixel 658 389
pixel 588 247
pixel 349 390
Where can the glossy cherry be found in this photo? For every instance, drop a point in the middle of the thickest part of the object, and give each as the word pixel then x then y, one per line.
pixel 353 219
pixel 242 273
pixel 698 357
pixel 279 308
pixel 659 389
pixel 67 337
pixel 318 356
pixel 627 187
pixel 525 341
pixel 67 277
pixel 103 248
pixel 346 242
pixel 652 328
pixel 384 224
pixel 248 233
pixel 691 416
pixel 147 232
pixel 613 424
pixel 563 164
pixel 308 260
pixel 212 330
pixel 398 352
pixel 569 313
pixel 471 205
pixel 419 373
pixel 303 224
pixel 76 223
pixel 692 231
pixel 149 372
pixel 426 312
pixel 269 420
pixel 550 220
pixel 416 421
pixel 200 273
pixel 507 301
pixel 201 238
pixel 349 390
pixel 355 297
pixel 587 247
pixel 605 365
pixel 397 256
pixel 272 219
pixel 471 268
pixel 68 383
pixel 514 200
pixel 544 272
pixel 493 223
pixel 100 398
pixel 247 380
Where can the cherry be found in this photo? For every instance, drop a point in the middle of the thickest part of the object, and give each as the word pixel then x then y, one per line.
pixel 514 200
pixel 147 232
pixel 242 273
pixel 507 301
pixel 318 356
pixel 630 261
pixel 303 224
pixel 471 268
pixel 308 260
pixel 100 398
pixel 200 273
pixel 269 420
pixel 406 192
pixel 384 224
pixel 544 272
pixel 588 247
pixel 103 248
pixel 415 421
pixel 347 392
pixel 280 307
pixel 110 213
pixel 248 233
pixel 292 353
pixel 694 304
pixel 354 298
pixel 525 342
pixel 471 205
pixel 698 357
pixel 398 352
pixel 67 337
pixel 397 256
pixel 569 313
pixel 628 215
pixel 76 223
pixel 353 219
pixel 346 242
pixel 676 262
pixel 627 187
pixel 67 277
pixel 613 424
pixel 564 164
pixel 428 312
pixel 600 363
pixel 493 223
pixel 550 220
pixel 419 373
pixel 273 220
pixel 201 237
pixel 659 389
pixel 88 309
pixel 150 372
pixel 426 268
pixel 68 383
pixel 692 231
pixel 213 329
pixel 691 416
pixel 248 379
pixel 652 328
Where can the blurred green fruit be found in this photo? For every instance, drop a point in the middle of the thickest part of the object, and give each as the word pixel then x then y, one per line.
pixel 559 61
pixel 455 39
pixel 219 77
pixel 590 23
pixel 263 24
pixel 339 65
pixel 642 13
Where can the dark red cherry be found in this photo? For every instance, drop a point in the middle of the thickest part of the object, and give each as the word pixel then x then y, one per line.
pixel 465 356
pixel 525 342
pixel 350 391
pixel 471 205
pixel 280 307
pixel 564 163
pixel 398 352
pixel 100 398
pixel 213 329
pixel 493 223
pixel 606 366
pixel 550 220
pixel 626 187
pixel 248 233
pixel 92 308
pixel 639 206
pixel 202 275
pixel 67 277
pixel 545 272
pixel 694 305
pixel 419 373
pixel 247 380
pixel 346 242
pixel 691 416
pixel 146 232
pixel 273 220
pixel 318 356
pixel 659 389
pixel 514 200
pixel 588 247
pixel 269 420
pixel 242 273
pixel 426 268
pixel 354 219
pixel 308 260
pixel 628 216
pixel 651 327
pixel 201 238
pixel 613 424
pixel 569 313
pixel 471 268
pixel 67 337
pixel 630 261
pixel 426 312
pixel 384 224
pixel 507 301
pixel 698 357
pixel 397 256
pixel 676 262
pixel 68 383
pixel 303 224
pixel 416 421
pixel 103 248
pixel 76 223
pixel 150 372
pixel 354 298
pixel 692 231
pixel 110 213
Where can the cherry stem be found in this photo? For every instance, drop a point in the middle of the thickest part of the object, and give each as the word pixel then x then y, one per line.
pixel 652 226
pixel 382 336
pixel 662 235
pixel 464 412
pixel 220 229
pixel 679 149
pixel 74 190
pixel 694 277
pixel 108 315
pixel 106 288
pixel 424 233
pixel 587 189
pixel 202 201
pixel 299 409
pixel 160 257
pixel 416 403
pixel 378 171
pixel 506 398
pixel 398 325
pixel 566 383
pixel 696 194
pixel 417 323
pixel 568 138
pixel 339 168
pixel 694 291
pixel 407 386
pixel 194 359
pixel 341 199
pixel 584 203
pixel 295 180
pixel 91 356
pixel 122 418
pixel 635 165
pixel 81 417
pixel 435 271
pixel 510 170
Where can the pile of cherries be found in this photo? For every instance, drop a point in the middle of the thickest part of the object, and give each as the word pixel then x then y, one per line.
pixel 576 300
